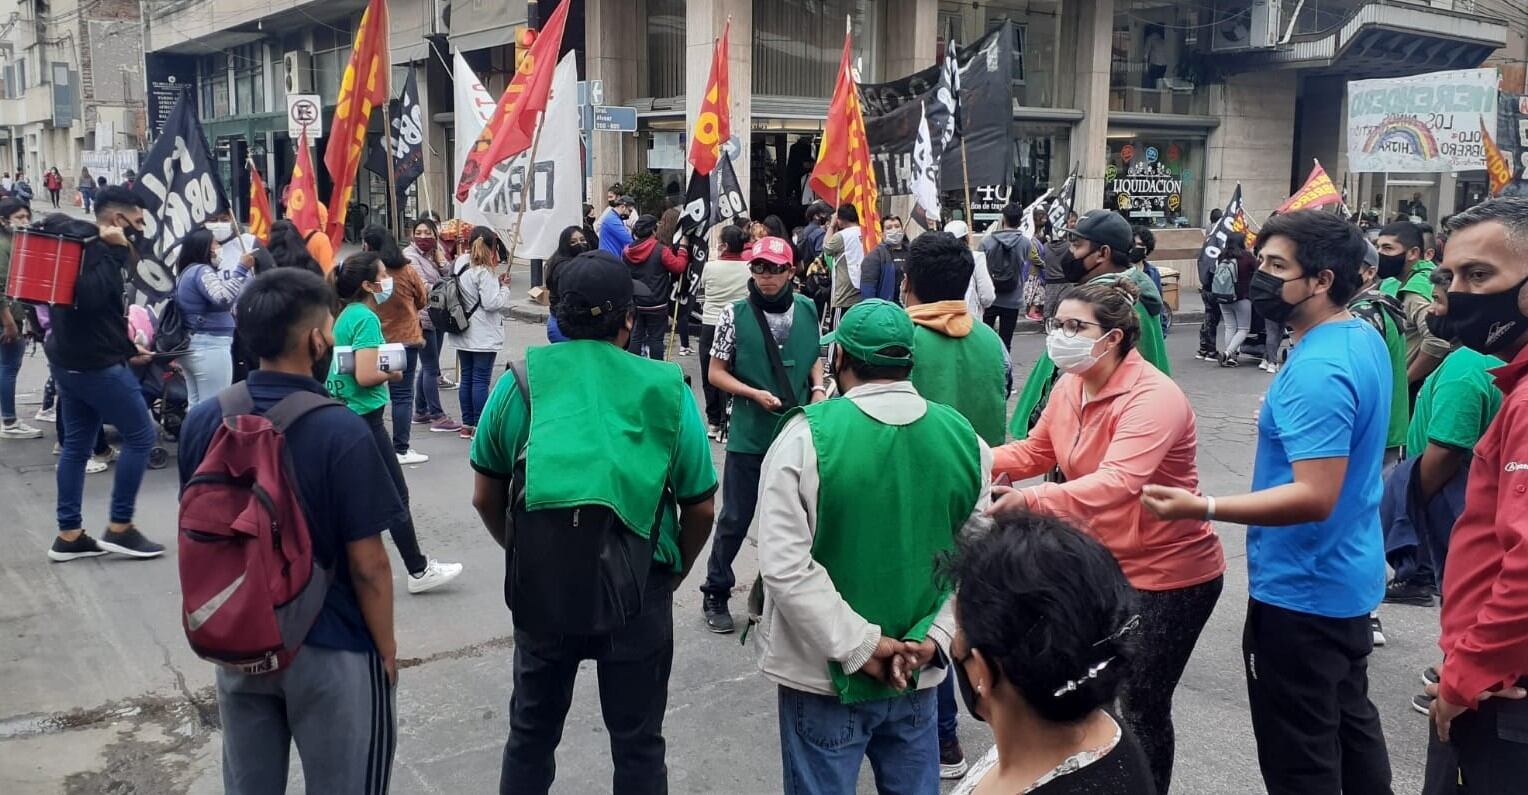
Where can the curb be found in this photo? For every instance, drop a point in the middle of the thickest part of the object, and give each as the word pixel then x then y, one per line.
pixel 532 312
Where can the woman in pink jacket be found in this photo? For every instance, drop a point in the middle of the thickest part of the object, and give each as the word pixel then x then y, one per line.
pixel 1115 423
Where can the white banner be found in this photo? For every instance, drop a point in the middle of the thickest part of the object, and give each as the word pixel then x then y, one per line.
pixel 1429 122
pixel 556 192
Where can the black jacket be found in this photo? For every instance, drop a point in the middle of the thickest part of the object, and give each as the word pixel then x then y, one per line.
pixel 92 334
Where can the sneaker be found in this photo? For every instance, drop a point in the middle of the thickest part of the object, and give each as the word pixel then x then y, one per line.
pixel 1035 316
pixel 434 575
pixel 952 760
pixel 1430 676
pixel 1409 592
pixel 718 617
pixel 131 543
pixel 465 432
pixel 412 457
pixel 97 464
pixel 714 433
pixel 1422 703
pixel 82 547
pixel 19 430
pixel 1376 629
pixel 46 415
pixel 446 383
pixel 1206 356
pixel 423 419
pixel 686 352
pixel 1227 360
pixel 445 424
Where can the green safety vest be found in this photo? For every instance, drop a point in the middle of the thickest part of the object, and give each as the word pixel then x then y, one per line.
pixel 892 499
pixel 751 428
pixel 965 373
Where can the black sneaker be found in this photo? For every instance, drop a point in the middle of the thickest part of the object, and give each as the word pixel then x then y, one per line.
pixel 1422 703
pixel 82 547
pixel 718 618
pixel 1430 676
pixel 1377 630
pixel 131 543
pixel 1411 592
pixel 952 760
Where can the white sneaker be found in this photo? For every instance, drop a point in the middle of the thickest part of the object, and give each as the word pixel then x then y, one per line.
pixel 435 575
pixel 96 466
pixel 46 415
pixel 412 457
pixel 19 430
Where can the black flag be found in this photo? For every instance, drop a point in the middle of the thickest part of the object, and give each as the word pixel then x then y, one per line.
pixel 1232 221
pixel 179 192
pixel 408 139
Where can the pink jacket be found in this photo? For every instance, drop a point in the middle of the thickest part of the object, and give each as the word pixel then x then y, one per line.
pixel 1138 429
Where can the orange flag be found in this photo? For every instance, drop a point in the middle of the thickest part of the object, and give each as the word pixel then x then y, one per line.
pixel 363 87
pixel 1318 191
pixel 714 124
pixel 302 191
pixel 843 171
pixel 259 206
pixel 1497 169
pixel 512 126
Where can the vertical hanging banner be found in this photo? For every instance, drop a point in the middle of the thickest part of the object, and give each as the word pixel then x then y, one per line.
pixel 179 193
pixel 363 88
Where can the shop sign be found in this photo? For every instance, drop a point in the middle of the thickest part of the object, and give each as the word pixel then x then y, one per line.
pixel 1148 189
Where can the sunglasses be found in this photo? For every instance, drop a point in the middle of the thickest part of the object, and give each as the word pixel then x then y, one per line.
pixel 761 267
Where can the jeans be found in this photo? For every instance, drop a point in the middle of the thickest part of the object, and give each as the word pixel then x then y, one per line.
pixel 1238 324
pixel 1273 341
pixel 87 198
pixel 649 334
pixel 823 743
pixel 476 373
pixel 208 365
pixel 427 387
pixel 403 535
pixel 716 400
pixel 1211 323
pixel 1003 320
pixel 632 664
pixel 949 713
pixel 86 399
pixel 10 365
pixel 401 393
pixel 740 497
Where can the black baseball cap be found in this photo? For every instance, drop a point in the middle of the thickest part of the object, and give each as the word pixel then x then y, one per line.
pixel 595 283
pixel 1106 228
pixel 626 201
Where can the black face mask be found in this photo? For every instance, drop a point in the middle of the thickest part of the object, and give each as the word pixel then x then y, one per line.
pixel 1485 322
pixel 1138 254
pixel 1072 268
pixel 967 692
pixel 1391 266
pixel 1267 293
pixel 321 363
pixel 1443 327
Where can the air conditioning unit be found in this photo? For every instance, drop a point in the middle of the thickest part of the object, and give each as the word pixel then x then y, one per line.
pixel 1256 28
pixel 1265 20
pixel 298 67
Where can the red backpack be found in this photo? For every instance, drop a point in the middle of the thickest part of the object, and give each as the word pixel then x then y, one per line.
pixel 249 585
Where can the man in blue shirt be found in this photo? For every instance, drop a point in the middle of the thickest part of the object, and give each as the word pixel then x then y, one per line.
pixel 336 699
pixel 613 232
pixel 1315 553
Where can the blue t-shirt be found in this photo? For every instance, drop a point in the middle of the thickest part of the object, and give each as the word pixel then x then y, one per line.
pixel 1330 400
pixel 345 487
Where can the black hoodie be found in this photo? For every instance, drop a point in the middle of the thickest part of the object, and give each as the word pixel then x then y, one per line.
pixel 92 334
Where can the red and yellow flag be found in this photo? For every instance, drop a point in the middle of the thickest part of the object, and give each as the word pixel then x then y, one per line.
pixel 259 206
pixel 1497 169
pixel 714 124
pixel 363 87
pixel 512 126
pixel 302 192
pixel 1318 191
pixel 843 174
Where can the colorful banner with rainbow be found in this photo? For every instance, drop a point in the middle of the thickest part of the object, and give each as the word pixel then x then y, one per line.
pixel 1429 122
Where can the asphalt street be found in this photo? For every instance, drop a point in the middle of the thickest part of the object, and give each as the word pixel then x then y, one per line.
pixel 100 693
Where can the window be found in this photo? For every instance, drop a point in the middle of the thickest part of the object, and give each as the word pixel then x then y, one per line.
pixel 797 44
pixel 665 48
pixel 1156 58
pixel 331 54
pixel 249 79
pixel 212 74
pixel 1155 179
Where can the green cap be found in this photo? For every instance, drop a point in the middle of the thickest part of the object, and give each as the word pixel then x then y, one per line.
pixel 872 326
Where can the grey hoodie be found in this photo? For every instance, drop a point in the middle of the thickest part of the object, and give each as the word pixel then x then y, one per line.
pixel 1015 247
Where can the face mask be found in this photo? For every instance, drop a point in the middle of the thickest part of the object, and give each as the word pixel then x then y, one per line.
pixel 1267 293
pixel 894 237
pixel 1443 327
pixel 1391 265
pixel 221 230
pixel 967 692
pixel 1072 354
pixel 425 245
pixel 1486 322
pixel 1138 254
pixel 128 230
pixel 387 290
pixel 1072 268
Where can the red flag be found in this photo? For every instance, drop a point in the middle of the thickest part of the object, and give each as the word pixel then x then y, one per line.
pixel 259 206
pixel 843 161
pixel 1318 191
pixel 714 124
pixel 363 87
pixel 1497 169
pixel 510 129
pixel 302 192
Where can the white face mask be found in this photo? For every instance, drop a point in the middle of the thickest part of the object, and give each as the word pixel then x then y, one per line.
pixel 894 236
pixel 221 230
pixel 1072 354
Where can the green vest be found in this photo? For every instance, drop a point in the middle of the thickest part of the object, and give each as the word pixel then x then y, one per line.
pixel 965 373
pixel 892 498
pixel 1388 324
pixel 751 428
pixel 1419 282
pixel 589 398
pixel 1043 375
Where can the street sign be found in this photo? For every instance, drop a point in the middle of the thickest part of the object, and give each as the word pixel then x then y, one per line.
pixel 591 92
pixel 305 112
pixel 608 118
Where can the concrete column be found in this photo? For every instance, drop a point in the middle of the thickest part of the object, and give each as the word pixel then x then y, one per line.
pixel 704 22
pixel 1087 29
pixel 613 44
pixel 1254 144
pixel 911 32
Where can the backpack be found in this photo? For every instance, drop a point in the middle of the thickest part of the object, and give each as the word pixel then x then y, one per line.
pixel 448 305
pixel 1372 307
pixel 1223 281
pixel 573 570
pixel 250 588
pixel 1004 270
pixel 171 335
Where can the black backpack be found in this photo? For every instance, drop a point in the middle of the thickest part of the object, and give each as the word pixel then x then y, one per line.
pixel 576 570
pixel 172 334
pixel 1005 271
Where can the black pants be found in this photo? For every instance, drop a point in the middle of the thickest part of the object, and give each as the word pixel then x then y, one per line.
pixel 633 665
pixel 403 535
pixel 716 400
pixel 650 332
pixel 1308 687
pixel 1487 752
pixel 54 194
pixel 1003 320
pixel 740 496
pixel 1170 625
pixel 1210 328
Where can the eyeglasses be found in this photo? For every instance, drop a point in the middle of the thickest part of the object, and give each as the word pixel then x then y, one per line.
pixel 1068 327
pixel 761 267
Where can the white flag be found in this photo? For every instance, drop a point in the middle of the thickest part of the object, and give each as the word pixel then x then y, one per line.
pixel 1027 226
pixel 556 194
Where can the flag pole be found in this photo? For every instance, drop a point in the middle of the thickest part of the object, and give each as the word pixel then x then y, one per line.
pixel 525 189
pixel 392 177
pixel 970 216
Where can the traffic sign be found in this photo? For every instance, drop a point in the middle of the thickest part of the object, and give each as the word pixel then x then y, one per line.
pixel 591 92
pixel 305 112
pixel 608 118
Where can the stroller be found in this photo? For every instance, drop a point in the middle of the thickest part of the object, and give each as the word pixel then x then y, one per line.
pixel 161 383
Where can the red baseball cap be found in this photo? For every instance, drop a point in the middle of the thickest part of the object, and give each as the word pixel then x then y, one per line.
pixel 770 249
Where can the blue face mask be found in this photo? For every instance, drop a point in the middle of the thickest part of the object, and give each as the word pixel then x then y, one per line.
pixel 387 290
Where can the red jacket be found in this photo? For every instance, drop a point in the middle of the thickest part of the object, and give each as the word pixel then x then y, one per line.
pixel 673 261
pixel 656 272
pixel 1485 584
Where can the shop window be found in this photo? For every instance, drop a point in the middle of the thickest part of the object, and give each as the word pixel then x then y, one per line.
pixel 797 45
pixel 1155 180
